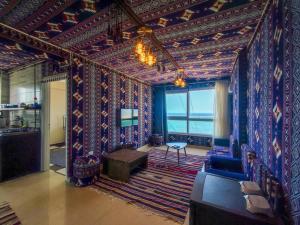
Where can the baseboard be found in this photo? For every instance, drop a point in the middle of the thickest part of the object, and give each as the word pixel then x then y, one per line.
pixel 58 144
pixel 200 146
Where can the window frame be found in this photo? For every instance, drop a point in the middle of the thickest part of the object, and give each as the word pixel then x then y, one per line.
pixel 187 117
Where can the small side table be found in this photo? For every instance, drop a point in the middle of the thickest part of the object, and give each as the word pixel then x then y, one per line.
pixel 178 146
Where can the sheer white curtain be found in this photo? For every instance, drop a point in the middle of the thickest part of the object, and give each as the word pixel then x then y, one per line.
pixel 221 122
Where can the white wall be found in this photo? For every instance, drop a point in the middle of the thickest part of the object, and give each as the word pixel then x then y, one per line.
pixel 4 87
pixel 58 110
pixel 22 90
pixel 21 84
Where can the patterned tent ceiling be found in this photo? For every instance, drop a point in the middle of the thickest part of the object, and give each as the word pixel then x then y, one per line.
pixel 14 55
pixel 204 36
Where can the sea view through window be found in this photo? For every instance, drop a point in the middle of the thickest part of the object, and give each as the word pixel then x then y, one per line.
pixel 190 112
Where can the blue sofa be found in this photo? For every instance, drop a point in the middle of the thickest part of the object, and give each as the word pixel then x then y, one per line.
pixel 235 168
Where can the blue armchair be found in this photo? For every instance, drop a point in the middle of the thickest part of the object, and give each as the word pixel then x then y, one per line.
pixel 239 169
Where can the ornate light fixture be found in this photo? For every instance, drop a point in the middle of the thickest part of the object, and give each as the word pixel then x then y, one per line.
pixel 143 52
pixel 151 58
pixel 179 81
pixel 114 26
pixel 139 46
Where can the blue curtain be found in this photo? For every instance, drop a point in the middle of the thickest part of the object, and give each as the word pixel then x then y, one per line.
pixel 159 111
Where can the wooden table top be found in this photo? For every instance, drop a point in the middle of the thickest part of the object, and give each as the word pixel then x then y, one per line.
pixel 225 194
pixel 177 145
pixel 126 155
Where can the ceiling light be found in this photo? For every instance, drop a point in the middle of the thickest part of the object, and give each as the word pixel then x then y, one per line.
pixel 139 47
pixel 142 57
pixel 142 51
pixel 179 81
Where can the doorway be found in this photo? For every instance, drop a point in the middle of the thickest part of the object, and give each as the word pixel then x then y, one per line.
pixel 57 126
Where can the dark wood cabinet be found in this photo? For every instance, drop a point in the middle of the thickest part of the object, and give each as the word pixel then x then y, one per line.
pixel 216 200
pixel 20 154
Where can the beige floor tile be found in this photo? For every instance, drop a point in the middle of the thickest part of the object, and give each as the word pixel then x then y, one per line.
pixel 46 199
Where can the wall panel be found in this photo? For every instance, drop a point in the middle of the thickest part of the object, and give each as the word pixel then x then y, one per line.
pixel 273 97
pixel 97 94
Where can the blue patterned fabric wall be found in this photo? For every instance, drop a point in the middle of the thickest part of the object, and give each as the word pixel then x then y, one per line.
pixel 95 95
pixel 235 103
pixel 239 91
pixel 104 90
pixel 147 112
pixel 75 109
pixel 136 106
pixel 125 93
pixel 122 105
pixel 292 74
pixel 270 99
pixel 266 93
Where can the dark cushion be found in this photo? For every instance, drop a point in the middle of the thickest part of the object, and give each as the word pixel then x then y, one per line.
pixel 226 163
pixel 236 150
pixel 224 173
pixel 222 142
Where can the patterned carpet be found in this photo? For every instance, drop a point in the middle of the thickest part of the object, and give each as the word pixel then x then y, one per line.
pixel 7 215
pixel 164 187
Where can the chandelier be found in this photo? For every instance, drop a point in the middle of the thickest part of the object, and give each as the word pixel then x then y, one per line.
pixel 114 34
pixel 142 50
pixel 179 80
pixel 144 54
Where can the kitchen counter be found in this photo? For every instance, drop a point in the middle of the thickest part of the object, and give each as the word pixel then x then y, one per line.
pixel 16 131
pixel 20 153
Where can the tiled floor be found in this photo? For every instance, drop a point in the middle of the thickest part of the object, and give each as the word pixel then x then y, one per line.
pixel 57 158
pixel 45 198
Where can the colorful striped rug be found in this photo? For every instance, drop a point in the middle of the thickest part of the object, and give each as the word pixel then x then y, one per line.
pixel 164 187
pixel 7 215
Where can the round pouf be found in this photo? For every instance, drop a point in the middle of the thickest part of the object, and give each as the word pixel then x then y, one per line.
pixel 86 169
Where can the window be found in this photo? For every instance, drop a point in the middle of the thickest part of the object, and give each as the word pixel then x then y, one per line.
pixel 201 111
pixel 176 104
pixel 190 112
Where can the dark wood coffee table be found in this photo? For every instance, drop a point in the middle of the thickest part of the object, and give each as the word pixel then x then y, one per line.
pixel 122 162
pixel 178 146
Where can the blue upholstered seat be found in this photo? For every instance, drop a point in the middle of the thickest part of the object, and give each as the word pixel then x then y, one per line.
pixel 226 163
pixel 230 167
pixel 224 173
pixel 225 166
